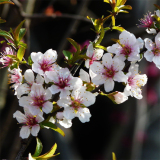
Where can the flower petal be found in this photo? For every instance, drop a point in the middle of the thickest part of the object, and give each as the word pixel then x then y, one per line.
pixel 109 85
pixel 24 132
pixel 35 129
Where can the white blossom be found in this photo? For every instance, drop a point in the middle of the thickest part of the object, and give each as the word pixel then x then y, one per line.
pixel 30 123
pixel 44 62
pixel 63 81
pixel 37 100
pixel 129 47
pixel 153 50
pixel 109 71
pixel 25 88
pixel 75 105
pixel 94 54
pixel 134 82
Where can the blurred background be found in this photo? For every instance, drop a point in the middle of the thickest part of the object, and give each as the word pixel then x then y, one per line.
pixel 131 130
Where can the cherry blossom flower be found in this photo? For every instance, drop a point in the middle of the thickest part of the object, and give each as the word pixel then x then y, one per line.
pixel 86 80
pixel 63 81
pixel 153 50
pixel 30 122
pixel 75 105
pixel 109 71
pixel 127 48
pixel 44 62
pixel 15 77
pixel 120 97
pixel 94 54
pixel 6 61
pixel 25 88
pixel 134 82
pixel 66 123
pixel 148 22
pixel 37 100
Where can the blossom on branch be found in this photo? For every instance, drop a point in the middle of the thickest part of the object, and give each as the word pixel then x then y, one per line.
pixel 30 122
pixel 108 71
pixel 128 47
pixel 37 100
pixel 134 82
pixel 94 54
pixel 6 61
pixel 63 81
pixel 75 104
pixel 25 88
pixel 44 62
pixel 153 50
pixel 15 78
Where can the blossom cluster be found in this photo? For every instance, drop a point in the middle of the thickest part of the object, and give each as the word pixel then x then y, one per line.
pixel 49 89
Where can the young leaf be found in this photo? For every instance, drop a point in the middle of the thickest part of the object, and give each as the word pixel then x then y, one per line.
pixel 20 53
pixel 24 45
pixel 68 55
pixel 30 62
pixel 6 35
pixel 6 1
pixel 120 2
pixel 101 37
pixel 15 65
pixel 54 127
pixel 101 47
pixel 49 154
pixel 75 44
pixel 113 156
pixel 16 32
pixel 121 29
pixel 113 21
pixel 38 148
pixel 22 32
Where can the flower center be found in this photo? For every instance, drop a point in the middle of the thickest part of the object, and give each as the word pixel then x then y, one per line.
pixel 126 50
pixel 38 101
pixel 31 121
pixel 110 72
pixel 156 51
pixel 46 66
pixel 62 83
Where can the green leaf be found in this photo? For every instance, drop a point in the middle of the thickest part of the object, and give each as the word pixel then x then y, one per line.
pixel 20 53
pixel 120 2
pixel 83 57
pixel 125 7
pixel 54 127
pixel 101 37
pixel 15 65
pixel 12 56
pixel 68 55
pixel 75 44
pixel 38 148
pixel 113 21
pixel 30 62
pixel 101 47
pixel 16 32
pixel 22 32
pixel 123 11
pixel 106 18
pixel 6 1
pixel 6 35
pixel 2 20
pixel 118 28
pixel 113 156
pixel 24 45
pixel 107 28
pixel 107 1
pixel 49 154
